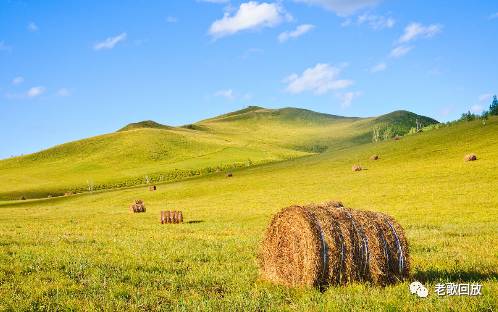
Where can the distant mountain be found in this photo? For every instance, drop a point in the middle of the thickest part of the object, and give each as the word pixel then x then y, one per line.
pixel 152 151
pixel 145 124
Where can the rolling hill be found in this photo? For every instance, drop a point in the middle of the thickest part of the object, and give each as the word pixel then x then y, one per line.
pixel 88 250
pixel 149 151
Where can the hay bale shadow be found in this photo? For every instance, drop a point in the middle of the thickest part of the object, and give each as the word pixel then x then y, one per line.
pixel 194 221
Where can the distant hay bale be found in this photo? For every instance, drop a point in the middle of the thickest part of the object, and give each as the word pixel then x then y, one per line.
pixel 229 175
pixel 68 193
pixel 138 206
pixel 470 157
pixel 356 168
pixel 152 188
pixel 397 138
pixel 171 217
pixel 374 157
pixel 23 198
pixel 328 244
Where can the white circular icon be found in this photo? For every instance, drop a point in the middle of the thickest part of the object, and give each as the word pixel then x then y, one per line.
pixel 419 289
pixel 414 286
pixel 422 292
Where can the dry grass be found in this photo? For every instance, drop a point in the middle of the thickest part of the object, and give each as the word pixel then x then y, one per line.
pixel 324 244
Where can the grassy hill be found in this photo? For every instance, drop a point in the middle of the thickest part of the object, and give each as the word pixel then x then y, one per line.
pixel 89 251
pixel 149 151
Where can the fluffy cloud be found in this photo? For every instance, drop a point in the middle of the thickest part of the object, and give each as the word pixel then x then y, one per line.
pixel 63 92
pixel 32 27
pixel 477 108
pixel 298 32
pixel 171 19
pixel 342 7
pixel 376 22
pixel 17 80
pixel 348 97
pixel 378 68
pixel 250 15
pixel 227 94
pixel 320 79
pixel 417 30
pixel 35 91
pixel 485 97
pixel 214 1
pixel 110 42
pixel 399 51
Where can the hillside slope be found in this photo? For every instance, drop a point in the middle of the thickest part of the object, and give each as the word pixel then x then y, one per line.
pixel 149 151
pixel 103 256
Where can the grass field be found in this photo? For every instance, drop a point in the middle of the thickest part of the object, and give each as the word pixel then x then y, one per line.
pixel 251 136
pixel 87 252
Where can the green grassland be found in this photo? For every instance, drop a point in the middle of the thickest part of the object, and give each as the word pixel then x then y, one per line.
pixel 148 150
pixel 87 252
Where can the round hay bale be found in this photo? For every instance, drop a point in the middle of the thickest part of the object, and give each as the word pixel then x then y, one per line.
pixel 356 168
pixel 229 175
pixel 328 244
pixel 374 157
pixel 470 157
pixel 138 206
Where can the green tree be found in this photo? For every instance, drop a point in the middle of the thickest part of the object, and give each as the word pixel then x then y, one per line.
pixel 493 109
pixel 468 116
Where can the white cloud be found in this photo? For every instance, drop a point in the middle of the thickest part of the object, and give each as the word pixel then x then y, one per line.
pixel 417 30
pixel 32 27
pixel 171 19
pixel 17 80
pixel 378 68
pixel 400 51
pixel 342 7
pixel 320 79
pixel 298 32
pixel 250 15
pixel 63 92
pixel 227 94
pixel 376 22
pixel 110 42
pixel 476 109
pixel 5 47
pixel 485 97
pixel 348 97
pixel 35 91
pixel 214 1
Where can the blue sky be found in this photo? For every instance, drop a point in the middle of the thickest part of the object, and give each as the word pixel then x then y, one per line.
pixel 74 69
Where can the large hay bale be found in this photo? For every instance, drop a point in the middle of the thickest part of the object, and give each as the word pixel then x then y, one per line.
pixel 328 244
pixel 356 168
pixel 374 157
pixel 470 157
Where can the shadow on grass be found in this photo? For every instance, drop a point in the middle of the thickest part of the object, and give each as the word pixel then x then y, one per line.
pixel 194 221
pixel 454 276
